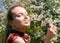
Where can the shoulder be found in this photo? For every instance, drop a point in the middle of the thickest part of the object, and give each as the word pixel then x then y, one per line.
pixel 18 40
pixel 14 38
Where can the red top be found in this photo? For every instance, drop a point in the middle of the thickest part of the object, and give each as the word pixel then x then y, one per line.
pixel 14 35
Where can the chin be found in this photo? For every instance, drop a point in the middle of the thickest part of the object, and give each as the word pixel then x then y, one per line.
pixel 27 25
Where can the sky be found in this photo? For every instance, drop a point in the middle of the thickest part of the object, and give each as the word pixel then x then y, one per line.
pixel 1 4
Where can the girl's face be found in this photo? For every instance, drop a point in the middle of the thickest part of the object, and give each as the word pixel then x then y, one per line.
pixel 20 18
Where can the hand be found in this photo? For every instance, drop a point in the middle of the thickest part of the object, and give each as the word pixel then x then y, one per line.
pixel 27 38
pixel 52 31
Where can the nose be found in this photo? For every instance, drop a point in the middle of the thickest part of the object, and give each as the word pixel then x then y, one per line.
pixel 25 17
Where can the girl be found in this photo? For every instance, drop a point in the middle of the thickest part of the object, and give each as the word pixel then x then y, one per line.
pixel 18 22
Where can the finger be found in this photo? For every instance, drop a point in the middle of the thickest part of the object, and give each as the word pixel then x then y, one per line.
pixel 54 28
pixel 54 32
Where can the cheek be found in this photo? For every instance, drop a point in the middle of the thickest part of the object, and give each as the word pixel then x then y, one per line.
pixel 16 23
pixel 18 20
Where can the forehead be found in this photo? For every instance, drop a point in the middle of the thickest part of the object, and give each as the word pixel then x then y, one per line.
pixel 18 10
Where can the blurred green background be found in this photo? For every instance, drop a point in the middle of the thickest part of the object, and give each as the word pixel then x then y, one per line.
pixel 42 13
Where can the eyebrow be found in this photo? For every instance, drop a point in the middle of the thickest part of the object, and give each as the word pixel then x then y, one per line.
pixel 22 13
pixel 19 13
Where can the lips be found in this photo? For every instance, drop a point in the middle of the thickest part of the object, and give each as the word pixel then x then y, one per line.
pixel 26 20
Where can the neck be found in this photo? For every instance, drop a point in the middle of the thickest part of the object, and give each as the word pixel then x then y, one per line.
pixel 20 29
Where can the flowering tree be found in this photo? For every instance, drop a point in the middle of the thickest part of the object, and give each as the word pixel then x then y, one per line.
pixel 42 13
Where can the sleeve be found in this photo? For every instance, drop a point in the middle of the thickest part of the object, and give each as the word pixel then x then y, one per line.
pixel 11 38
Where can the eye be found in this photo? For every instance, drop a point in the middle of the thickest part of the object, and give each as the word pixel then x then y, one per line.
pixel 19 15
